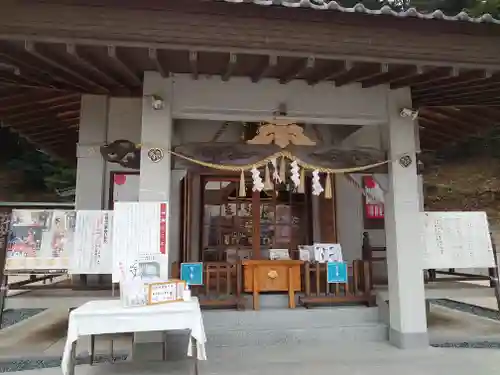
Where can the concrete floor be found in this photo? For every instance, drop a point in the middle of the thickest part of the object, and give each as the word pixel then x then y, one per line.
pixel 369 358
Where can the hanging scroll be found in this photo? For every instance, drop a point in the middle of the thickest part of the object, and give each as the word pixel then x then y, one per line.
pixel 139 228
pixel 40 240
pixel 457 240
pixel 92 251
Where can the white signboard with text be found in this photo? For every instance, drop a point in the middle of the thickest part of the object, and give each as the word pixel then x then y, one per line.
pixel 139 228
pixel 457 240
pixel 93 252
pixel 40 240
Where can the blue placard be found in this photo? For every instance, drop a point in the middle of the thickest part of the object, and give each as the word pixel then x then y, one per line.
pixel 192 273
pixel 336 272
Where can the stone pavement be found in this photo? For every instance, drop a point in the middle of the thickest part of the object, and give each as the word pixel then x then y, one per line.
pixel 365 358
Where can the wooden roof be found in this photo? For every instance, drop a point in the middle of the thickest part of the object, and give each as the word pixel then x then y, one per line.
pixel 50 54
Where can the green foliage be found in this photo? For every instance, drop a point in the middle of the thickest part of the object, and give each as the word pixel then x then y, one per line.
pixel 41 173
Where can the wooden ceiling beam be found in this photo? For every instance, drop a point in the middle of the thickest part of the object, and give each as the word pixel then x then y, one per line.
pixel 360 72
pixel 47 131
pixel 464 78
pixel 230 67
pixel 392 75
pixel 27 101
pixel 480 84
pixel 439 113
pixel 300 69
pixel 464 94
pixel 336 69
pixel 466 116
pixel 50 110
pixel 53 136
pixel 133 79
pixel 35 106
pixel 155 60
pixel 30 70
pixel 72 52
pixel 266 68
pixel 424 74
pixel 30 48
pixel 443 129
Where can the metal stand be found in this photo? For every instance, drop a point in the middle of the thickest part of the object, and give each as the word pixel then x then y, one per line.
pixel 493 273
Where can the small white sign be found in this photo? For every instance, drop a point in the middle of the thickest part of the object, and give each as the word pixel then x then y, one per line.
pixel 327 252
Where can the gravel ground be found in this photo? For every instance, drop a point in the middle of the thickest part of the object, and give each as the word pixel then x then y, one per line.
pixel 11 317
pixel 474 310
pixel 39 363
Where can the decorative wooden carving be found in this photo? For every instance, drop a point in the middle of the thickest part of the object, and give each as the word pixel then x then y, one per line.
pixel 282 133
pixel 123 152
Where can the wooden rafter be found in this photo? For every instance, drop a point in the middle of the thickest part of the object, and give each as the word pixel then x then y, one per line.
pixel 155 59
pixel 30 48
pixel 123 68
pixel 230 67
pixel 265 69
pixel 300 69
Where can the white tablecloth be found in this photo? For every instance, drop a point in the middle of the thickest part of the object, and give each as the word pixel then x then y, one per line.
pixel 108 316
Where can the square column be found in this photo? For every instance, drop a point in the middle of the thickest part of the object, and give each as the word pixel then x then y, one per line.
pixel 155 178
pixel 156 134
pixel 408 322
pixel 91 166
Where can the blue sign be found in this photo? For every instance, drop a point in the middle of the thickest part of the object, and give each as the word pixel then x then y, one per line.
pixel 192 273
pixel 336 272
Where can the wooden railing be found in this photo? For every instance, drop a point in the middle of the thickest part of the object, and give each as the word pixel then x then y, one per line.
pixel 222 285
pixel 317 290
pixel 373 255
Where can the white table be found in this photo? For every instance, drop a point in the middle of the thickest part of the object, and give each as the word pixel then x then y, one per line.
pixel 108 317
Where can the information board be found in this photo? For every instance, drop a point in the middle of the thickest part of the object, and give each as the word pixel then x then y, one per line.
pixel 40 240
pixel 139 228
pixel 93 252
pixel 457 240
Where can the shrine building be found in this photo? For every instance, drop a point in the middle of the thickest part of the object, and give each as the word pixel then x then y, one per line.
pixel 177 100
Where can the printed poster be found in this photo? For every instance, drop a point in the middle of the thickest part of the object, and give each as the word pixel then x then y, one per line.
pixel 93 252
pixel 456 240
pixel 40 240
pixel 139 228
pixel 374 209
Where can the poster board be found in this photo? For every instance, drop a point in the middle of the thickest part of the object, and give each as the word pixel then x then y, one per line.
pixel 92 252
pixel 457 240
pixel 139 228
pixel 327 252
pixel 40 240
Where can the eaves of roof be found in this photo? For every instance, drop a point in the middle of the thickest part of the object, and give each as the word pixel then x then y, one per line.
pixel 360 8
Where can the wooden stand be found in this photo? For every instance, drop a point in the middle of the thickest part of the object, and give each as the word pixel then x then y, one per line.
pixel 272 276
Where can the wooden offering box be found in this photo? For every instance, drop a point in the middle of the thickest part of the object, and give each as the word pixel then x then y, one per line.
pixel 272 276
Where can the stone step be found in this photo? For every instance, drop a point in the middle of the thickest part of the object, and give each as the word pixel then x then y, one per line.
pixel 367 332
pixel 288 319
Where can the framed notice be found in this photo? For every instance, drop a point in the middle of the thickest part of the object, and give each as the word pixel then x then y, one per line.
pixel 165 292
pixel 93 252
pixel 139 228
pixel 124 187
pixel 40 240
pixel 456 240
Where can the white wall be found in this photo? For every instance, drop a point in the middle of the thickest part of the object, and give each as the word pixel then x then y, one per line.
pixel 124 122
pixel 350 224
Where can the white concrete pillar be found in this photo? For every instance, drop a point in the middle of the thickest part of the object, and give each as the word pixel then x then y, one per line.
pixel 155 178
pixel 408 325
pixel 91 165
pixel 156 132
